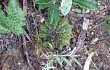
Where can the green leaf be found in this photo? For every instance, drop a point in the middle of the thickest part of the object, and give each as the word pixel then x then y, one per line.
pixel 53 15
pixel 83 10
pixel 42 1
pixel 72 52
pixel 66 60
pixel 13 22
pixel 65 6
pixel 43 6
pixel 77 62
pixel 59 60
pixel 64 30
pixel 78 10
pixel 4 28
pixel 88 4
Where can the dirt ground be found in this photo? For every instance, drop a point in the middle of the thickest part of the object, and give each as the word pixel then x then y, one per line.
pixel 20 52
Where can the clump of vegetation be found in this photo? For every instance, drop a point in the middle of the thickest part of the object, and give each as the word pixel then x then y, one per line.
pixel 58 35
pixel 13 21
pixel 54 28
pixel 56 31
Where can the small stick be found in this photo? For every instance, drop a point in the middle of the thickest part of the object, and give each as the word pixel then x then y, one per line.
pixel 86 15
pixel 27 56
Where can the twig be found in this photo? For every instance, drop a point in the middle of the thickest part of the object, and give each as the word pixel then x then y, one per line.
pixel 25 7
pixel 67 55
pixel 80 41
pixel 86 15
pixel 27 56
pixel 3 61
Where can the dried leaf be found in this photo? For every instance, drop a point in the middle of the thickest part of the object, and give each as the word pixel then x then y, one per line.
pixel 88 61
pixel 85 24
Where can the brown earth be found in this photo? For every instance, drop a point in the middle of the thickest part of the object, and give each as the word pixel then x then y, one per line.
pixel 20 52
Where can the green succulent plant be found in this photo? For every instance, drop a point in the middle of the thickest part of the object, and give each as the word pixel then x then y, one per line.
pixel 58 35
